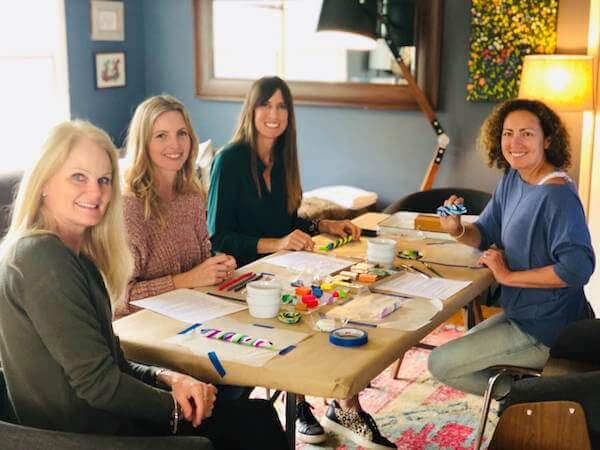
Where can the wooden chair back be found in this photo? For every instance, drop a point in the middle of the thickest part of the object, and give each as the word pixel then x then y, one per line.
pixel 542 426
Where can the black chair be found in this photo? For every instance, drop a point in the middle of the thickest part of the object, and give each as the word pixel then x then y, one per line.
pixel 17 437
pixel 428 201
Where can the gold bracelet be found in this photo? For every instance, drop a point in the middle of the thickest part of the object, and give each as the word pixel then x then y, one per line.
pixel 464 229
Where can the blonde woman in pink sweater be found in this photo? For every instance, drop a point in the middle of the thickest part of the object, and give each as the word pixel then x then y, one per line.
pixel 164 205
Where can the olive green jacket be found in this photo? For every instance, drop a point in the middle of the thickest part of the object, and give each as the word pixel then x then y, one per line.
pixel 64 367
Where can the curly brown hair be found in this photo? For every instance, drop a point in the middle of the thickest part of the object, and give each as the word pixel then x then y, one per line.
pixel 558 152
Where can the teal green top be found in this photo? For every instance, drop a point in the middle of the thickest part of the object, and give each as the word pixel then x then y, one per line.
pixel 237 216
pixel 63 364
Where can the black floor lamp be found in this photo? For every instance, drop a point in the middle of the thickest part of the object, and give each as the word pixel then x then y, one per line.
pixel 372 19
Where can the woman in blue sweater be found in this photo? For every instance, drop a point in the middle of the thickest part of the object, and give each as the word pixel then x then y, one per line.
pixel 535 241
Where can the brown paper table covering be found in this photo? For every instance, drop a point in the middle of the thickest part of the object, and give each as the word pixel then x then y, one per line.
pixel 315 367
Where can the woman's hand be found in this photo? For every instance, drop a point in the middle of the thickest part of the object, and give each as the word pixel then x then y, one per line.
pixel 451 224
pixel 296 240
pixel 210 272
pixel 494 260
pixel 341 228
pixel 196 399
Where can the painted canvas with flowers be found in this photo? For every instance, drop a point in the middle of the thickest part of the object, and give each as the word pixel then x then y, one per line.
pixel 503 32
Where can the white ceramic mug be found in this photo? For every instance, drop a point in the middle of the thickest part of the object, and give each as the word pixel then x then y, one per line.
pixel 381 251
pixel 263 298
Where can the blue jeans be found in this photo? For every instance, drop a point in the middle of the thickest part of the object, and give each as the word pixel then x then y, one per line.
pixel 462 363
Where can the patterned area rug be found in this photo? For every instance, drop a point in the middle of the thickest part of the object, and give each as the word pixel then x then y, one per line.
pixel 415 411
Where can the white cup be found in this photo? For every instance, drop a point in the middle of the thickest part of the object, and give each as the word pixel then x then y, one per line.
pixel 263 298
pixel 381 251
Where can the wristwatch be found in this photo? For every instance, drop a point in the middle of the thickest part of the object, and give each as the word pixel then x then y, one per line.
pixel 313 228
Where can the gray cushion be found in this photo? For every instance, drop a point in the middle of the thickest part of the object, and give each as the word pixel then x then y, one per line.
pixel 8 187
pixel 17 437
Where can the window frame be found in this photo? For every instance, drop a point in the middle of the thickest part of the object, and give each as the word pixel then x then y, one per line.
pixel 360 95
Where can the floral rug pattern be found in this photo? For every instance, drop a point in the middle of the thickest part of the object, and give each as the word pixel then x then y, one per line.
pixel 416 412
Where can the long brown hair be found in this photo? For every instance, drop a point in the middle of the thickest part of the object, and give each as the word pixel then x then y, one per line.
pixel 260 92
pixel 140 177
pixel 489 142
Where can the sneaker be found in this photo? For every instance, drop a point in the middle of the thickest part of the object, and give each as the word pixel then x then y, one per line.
pixel 308 428
pixel 358 426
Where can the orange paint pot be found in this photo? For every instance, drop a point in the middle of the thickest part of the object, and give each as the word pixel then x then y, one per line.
pixel 303 290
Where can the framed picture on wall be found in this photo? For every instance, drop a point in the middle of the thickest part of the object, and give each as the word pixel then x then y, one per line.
pixel 110 70
pixel 108 23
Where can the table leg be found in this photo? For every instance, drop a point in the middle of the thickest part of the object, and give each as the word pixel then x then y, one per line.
pixel 290 419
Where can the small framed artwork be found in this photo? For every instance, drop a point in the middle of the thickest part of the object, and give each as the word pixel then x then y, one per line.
pixel 110 70
pixel 108 23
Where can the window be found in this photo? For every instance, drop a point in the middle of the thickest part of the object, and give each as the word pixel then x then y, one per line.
pixel 239 40
pixel 291 50
pixel 33 77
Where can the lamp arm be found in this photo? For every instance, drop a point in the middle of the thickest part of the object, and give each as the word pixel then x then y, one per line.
pixel 442 138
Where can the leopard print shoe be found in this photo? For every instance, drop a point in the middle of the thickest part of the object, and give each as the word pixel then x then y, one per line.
pixel 358 426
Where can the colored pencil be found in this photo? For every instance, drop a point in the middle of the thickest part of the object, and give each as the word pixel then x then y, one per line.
pixel 224 297
pixel 235 280
pixel 432 269
pixel 242 284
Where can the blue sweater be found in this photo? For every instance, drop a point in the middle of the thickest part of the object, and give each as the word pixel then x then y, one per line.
pixel 537 226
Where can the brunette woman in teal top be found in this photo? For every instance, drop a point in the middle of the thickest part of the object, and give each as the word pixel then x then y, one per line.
pixel 253 205
pixel 255 189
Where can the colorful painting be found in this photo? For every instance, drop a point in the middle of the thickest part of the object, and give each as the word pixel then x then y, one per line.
pixel 503 32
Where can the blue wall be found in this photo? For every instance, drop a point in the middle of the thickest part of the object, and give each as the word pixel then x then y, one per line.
pixel 384 151
pixel 110 109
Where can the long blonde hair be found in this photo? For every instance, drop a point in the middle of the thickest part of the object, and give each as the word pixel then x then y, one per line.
pixel 105 244
pixel 140 177
pixel 261 91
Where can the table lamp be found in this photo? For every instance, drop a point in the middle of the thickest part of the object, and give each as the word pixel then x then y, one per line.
pixel 392 21
pixel 563 82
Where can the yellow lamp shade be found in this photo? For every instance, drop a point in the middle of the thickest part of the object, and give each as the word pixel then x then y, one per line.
pixel 563 82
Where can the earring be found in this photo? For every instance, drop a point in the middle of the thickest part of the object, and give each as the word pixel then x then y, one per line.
pixel 44 195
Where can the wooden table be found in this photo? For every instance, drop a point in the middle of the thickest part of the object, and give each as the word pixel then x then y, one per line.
pixel 315 367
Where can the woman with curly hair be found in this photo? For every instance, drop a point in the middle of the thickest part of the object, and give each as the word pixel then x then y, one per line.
pixel 535 241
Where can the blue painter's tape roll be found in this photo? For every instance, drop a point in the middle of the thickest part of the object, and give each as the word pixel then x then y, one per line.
pixel 216 363
pixel 348 337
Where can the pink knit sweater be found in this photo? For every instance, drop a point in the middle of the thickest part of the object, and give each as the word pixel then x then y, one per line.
pixel 159 252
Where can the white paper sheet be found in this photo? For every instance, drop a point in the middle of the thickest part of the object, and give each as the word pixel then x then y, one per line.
pixel 189 306
pixel 320 265
pixel 227 351
pixel 417 286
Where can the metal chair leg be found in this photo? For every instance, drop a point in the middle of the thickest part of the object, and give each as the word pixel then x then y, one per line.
pixel 487 398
